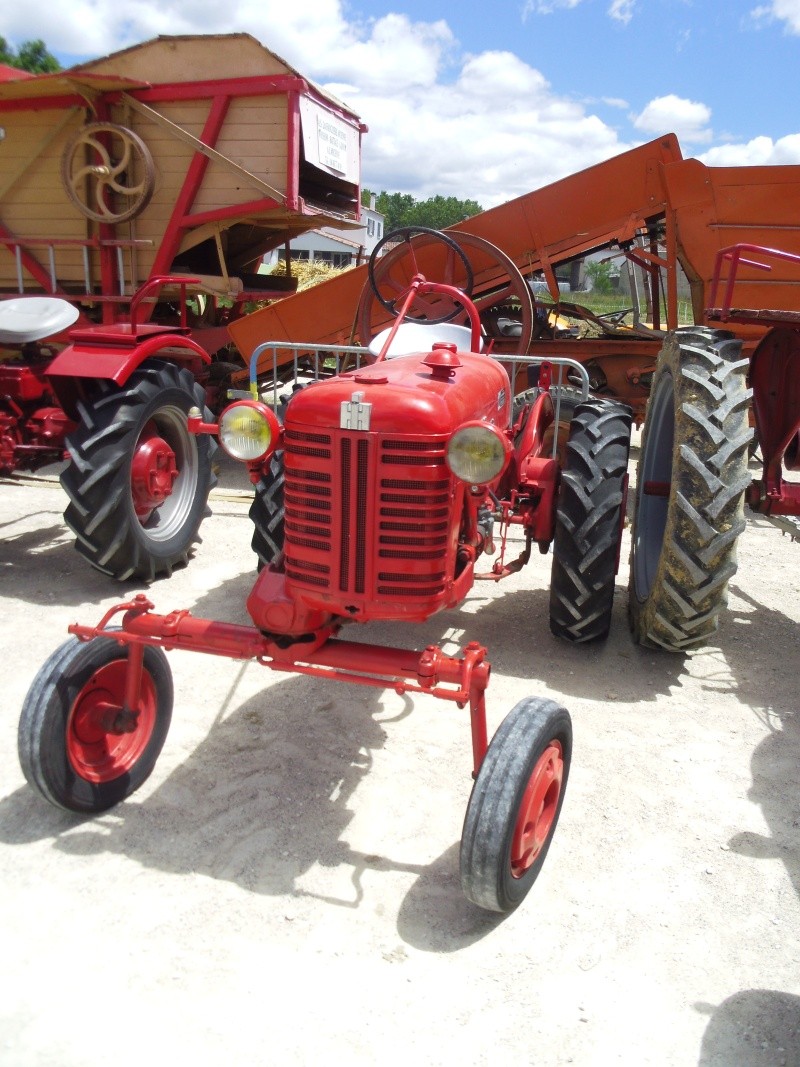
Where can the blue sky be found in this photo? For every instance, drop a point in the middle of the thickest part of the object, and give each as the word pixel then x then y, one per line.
pixel 490 100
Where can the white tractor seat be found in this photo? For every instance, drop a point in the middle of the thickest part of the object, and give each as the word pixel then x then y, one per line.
pixel 30 318
pixel 421 337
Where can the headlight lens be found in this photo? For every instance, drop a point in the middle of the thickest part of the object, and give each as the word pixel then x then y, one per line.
pixel 247 430
pixel 477 453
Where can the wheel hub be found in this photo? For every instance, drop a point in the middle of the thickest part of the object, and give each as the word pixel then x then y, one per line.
pixel 153 472
pixel 103 738
pixel 537 810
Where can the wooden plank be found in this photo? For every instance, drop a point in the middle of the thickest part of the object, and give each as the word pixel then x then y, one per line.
pixel 212 154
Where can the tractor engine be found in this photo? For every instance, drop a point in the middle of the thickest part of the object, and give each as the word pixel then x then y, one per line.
pixel 378 524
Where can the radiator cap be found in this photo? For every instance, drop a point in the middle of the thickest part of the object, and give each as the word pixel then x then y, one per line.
pixel 443 359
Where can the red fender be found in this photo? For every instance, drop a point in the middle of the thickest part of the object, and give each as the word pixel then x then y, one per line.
pixel 114 353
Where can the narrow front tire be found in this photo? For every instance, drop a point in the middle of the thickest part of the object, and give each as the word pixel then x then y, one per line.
pixel 515 804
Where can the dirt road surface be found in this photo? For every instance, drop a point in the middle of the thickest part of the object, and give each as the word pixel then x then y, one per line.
pixel 284 889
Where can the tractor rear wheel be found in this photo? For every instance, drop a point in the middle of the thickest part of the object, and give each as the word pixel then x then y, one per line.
pixel 691 479
pixel 589 519
pixel 267 512
pixel 515 804
pixel 138 481
pixel 79 746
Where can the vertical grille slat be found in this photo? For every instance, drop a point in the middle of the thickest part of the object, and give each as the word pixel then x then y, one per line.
pixel 361 515
pixel 344 515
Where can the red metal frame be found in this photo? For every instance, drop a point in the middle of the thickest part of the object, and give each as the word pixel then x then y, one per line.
pixel 296 625
pixel 774 377
pixel 461 680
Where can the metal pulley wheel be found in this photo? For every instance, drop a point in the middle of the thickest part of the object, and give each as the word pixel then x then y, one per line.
pixel 108 172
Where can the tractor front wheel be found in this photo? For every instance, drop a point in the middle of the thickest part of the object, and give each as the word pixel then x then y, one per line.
pixel 515 804
pixel 138 480
pixel 691 479
pixel 589 519
pixel 79 744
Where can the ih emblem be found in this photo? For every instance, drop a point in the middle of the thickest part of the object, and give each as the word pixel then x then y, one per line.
pixel 355 413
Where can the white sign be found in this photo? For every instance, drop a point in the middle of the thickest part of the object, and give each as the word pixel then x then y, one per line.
pixel 329 143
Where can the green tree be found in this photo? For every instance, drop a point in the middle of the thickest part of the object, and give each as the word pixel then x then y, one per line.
pixel 437 212
pixel 32 56
pixel 600 275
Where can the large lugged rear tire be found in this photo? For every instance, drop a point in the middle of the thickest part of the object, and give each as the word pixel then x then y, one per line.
pixel 79 746
pixel 138 481
pixel 589 519
pixel 515 804
pixel 267 512
pixel 691 480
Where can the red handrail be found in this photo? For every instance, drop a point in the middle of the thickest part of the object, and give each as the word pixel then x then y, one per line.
pixel 733 254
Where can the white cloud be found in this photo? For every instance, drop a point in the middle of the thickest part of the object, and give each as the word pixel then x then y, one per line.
pixel 787 11
pixel 622 10
pixel 486 126
pixel 494 133
pixel 761 151
pixel 546 7
pixel 671 113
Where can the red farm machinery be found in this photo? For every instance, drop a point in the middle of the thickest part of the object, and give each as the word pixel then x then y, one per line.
pixel 716 407
pixel 136 204
pixel 389 472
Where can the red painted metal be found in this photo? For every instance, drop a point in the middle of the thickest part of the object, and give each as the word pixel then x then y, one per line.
pixel 537 809
pixel 153 472
pixel 111 720
pixel 118 357
pixel 774 375
pixel 191 185
pixel 462 680
pixel 377 526
pixel 119 328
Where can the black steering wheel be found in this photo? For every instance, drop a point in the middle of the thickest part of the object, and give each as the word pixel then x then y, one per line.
pixel 419 250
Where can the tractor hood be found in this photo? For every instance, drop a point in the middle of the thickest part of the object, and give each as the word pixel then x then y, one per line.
pixel 430 393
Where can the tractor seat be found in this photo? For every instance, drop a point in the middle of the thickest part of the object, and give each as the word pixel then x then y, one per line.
pixel 31 318
pixel 421 337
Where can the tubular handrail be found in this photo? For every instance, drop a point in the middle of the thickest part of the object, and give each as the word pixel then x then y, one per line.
pixel 321 353
pixel 734 255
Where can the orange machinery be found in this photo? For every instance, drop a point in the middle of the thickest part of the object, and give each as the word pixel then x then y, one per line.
pixel 667 215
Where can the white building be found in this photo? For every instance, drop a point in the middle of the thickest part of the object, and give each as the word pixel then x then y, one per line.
pixel 339 248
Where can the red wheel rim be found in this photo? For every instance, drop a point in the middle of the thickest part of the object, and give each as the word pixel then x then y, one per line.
pixel 153 472
pixel 538 809
pixel 101 744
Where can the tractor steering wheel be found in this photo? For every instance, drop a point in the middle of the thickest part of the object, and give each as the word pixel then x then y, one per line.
pixel 391 275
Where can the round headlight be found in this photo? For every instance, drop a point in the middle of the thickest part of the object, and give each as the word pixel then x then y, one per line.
pixel 477 453
pixel 247 430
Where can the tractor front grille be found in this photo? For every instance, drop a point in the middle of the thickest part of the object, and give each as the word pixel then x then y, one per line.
pixel 366 516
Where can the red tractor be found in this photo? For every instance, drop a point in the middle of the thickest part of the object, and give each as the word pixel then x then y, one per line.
pixel 138 480
pixel 390 480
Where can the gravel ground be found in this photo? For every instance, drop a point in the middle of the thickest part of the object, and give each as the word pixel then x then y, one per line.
pixel 284 889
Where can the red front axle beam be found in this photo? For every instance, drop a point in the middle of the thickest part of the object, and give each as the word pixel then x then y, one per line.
pixel 460 679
